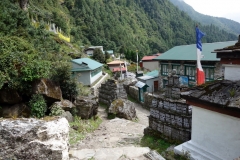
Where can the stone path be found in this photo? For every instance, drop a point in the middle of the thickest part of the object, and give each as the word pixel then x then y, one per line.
pixel 116 139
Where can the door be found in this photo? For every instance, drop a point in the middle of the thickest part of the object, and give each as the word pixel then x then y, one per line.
pixel 155 86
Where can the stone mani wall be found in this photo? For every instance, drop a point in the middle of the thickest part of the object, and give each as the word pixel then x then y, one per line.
pixel 171 118
pixel 111 90
pixel 134 93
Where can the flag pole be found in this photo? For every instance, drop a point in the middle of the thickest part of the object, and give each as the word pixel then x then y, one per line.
pixel 200 72
pixel 137 60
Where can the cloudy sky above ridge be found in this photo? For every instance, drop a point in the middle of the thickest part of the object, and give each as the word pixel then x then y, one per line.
pixel 218 8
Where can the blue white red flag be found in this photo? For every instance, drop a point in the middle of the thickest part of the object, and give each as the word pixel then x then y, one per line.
pixel 200 72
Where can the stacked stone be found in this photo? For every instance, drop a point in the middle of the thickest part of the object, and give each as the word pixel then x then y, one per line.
pixel 111 90
pixel 171 118
pixel 173 87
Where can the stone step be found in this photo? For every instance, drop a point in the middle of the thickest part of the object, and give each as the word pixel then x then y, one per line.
pixel 119 153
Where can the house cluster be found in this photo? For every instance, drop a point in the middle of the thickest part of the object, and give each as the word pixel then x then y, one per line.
pixel 215 105
pixel 89 51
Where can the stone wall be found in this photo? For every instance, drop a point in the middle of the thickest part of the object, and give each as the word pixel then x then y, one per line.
pixel 94 89
pixel 133 92
pixel 111 90
pixel 170 116
pixel 171 119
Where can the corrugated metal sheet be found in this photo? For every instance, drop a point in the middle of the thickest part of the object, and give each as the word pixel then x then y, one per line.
pixel 148 58
pixel 153 73
pixel 188 52
pixel 91 63
pixel 140 84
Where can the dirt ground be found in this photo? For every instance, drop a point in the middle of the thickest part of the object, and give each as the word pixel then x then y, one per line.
pixel 116 133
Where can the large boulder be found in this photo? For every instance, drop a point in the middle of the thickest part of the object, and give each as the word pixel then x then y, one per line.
pixel 123 109
pixel 86 107
pixel 9 96
pixel 131 81
pixel 48 89
pixel 34 139
pixel 68 116
pixel 15 111
pixel 66 105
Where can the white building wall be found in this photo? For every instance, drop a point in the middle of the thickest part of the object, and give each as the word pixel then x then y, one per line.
pixel 94 78
pixel 83 77
pixel 150 83
pixel 152 65
pixel 215 136
pixel 232 72
pixel 89 52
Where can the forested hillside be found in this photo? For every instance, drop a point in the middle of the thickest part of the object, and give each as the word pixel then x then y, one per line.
pixel 148 26
pixel 222 23
pixel 32 48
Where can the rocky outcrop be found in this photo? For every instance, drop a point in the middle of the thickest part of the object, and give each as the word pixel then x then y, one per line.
pixel 123 109
pixel 66 105
pixel 86 107
pixel 48 89
pixel 15 111
pixel 9 96
pixel 68 116
pixel 34 139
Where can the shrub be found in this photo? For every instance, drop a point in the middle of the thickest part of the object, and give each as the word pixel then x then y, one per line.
pixel 38 106
pixel 56 110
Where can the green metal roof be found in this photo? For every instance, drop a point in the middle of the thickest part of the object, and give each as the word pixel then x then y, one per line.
pixel 91 64
pixel 189 52
pixel 153 73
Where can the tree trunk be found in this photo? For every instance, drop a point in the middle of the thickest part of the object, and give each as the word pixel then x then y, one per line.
pixel 23 4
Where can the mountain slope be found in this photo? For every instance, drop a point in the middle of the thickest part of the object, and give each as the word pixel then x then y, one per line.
pixel 223 23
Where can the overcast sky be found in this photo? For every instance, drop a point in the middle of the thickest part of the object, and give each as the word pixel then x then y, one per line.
pixel 218 8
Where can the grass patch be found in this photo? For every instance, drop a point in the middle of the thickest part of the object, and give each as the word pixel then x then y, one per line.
pixel 155 143
pixel 161 145
pixel 81 127
pixel 132 99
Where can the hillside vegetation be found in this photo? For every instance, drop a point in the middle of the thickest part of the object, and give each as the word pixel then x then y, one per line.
pixel 148 26
pixel 222 23
pixel 28 51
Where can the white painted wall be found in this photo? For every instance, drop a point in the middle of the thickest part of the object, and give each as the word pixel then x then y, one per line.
pixel 83 77
pixel 232 72
pixel 150 83
pixel 216 133
pixel 89 52
pixel 153 65
pixel 94 78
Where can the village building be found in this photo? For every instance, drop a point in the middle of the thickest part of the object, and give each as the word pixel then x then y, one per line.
pixel 86 70
pixel 183 60
pixel 150 79
pixel 110 52
pixel 89 50
pixel 115 64
pixel 148 63
pixel 216 112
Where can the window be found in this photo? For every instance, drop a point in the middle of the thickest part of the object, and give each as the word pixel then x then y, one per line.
pixel 96 71
pixel 209 73
pixel 164 69
pixel 190 71
pixel 177 67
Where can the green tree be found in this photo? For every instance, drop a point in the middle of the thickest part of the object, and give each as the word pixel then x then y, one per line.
pixel 98 55
pixel 107 56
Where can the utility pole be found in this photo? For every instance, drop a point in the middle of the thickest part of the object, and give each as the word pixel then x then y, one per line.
pixel 137 60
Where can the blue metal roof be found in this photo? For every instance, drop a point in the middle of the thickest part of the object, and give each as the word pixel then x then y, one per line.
pixel 153 73
pixel 90 64
pixel 188 52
